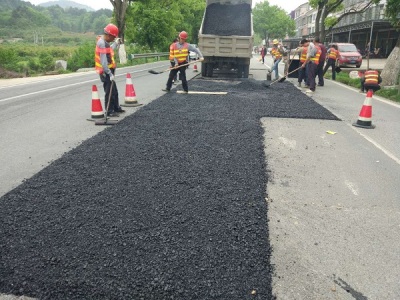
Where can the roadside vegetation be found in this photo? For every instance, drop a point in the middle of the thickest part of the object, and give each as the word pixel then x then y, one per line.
pixel 344 77
pixel 33 38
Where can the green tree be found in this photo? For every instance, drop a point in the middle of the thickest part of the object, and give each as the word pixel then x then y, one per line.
pixel 391 71
pixel 272 21
pixel 154 23
pixel 27 17
pixel 327 7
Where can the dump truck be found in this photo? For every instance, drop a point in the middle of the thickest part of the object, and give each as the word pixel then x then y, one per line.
pixel 226 37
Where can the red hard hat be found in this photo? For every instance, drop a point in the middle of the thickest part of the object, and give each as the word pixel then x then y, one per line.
pixel 111 29
pixel 183 35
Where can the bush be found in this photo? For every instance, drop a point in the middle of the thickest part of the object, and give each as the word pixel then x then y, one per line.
pixel 343 77
pixel 46 62
pixel 83 57
pixel 392 94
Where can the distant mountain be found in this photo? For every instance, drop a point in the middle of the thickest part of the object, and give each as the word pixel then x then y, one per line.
pixel 12 4
pixel 65 4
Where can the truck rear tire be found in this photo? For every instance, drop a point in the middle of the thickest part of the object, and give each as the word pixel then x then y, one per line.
pixel 240 71
pixel 246 70
pixel 243 71
pixel 210 69
pixel 203 69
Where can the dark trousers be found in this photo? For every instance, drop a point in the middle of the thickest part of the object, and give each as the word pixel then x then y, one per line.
pixel 303 75
pixel 114 100
pixel 320 73
pixel 182 75
pixel 173 65
pixel 366 87
pixel 331 63
pixel 312 72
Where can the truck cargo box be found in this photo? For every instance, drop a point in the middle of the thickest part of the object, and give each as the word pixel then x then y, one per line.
pixel 226 36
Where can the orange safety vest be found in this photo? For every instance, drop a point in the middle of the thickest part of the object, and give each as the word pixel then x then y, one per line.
pixel 333 53
pixel 171 51
pixel 315 59
pixel 180 54
pixel 303 56
pixel 275 52
pixel 371 77
pixel 110 58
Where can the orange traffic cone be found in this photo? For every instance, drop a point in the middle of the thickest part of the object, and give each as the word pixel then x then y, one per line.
pixel 130 95
pixel 97 109
pixel 195 68
pixel 365 117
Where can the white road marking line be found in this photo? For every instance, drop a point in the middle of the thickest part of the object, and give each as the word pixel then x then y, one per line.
pixel 388 153
pixel 351 187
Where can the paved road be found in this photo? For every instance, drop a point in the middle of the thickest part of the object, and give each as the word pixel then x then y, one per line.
pixel 333 199
pixel 39 114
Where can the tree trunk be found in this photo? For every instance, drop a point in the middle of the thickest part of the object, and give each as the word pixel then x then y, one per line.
pixel 318 20
pixel 120 7
pixel 325 13
pixel 391 71
pixel 122 54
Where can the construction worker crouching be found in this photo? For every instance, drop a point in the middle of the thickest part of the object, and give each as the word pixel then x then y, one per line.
pixel 370 81
pixel 179 52
pixel 105 66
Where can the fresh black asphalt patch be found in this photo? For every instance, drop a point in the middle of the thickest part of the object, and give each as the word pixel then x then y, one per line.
pixel 167 204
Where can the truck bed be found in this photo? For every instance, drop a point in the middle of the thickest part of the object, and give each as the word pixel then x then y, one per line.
pixel 227 20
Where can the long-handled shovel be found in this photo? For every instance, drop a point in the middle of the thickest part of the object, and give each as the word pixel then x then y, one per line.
pixel 106 121
pixel 169 69
pixel 290 61
pixel 281 79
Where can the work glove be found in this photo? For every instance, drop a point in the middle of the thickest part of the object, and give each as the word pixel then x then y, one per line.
pixel 112 77
pixel 118 41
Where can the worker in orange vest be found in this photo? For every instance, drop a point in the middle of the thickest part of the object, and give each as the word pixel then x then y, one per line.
pixel 277 51
pixel 370 81
pixel 105 66
pixel 333 54
pixel 302 72
pixel 180 54
pixel 171 59
pixel 312 61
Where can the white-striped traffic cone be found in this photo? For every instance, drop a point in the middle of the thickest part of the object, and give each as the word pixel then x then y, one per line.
pixel 130 95
pixel 97 109
pixel 365 116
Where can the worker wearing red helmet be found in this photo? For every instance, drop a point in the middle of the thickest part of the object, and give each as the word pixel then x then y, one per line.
pixel 179 52
pixel 105 66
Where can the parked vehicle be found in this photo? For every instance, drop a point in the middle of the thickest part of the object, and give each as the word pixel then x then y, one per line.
pixel 193 55
pixel 348 55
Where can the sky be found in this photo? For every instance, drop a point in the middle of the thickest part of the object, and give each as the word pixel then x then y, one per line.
pixel 95 4
pixel 287 5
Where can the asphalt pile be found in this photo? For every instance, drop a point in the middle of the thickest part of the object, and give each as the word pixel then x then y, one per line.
pixel 167 204
pixel 227 19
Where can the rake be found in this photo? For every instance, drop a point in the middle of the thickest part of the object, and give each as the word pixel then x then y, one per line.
pixel 169 69
pixel 282 79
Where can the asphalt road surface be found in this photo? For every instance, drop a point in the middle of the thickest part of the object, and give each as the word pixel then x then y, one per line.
pixel 237 196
